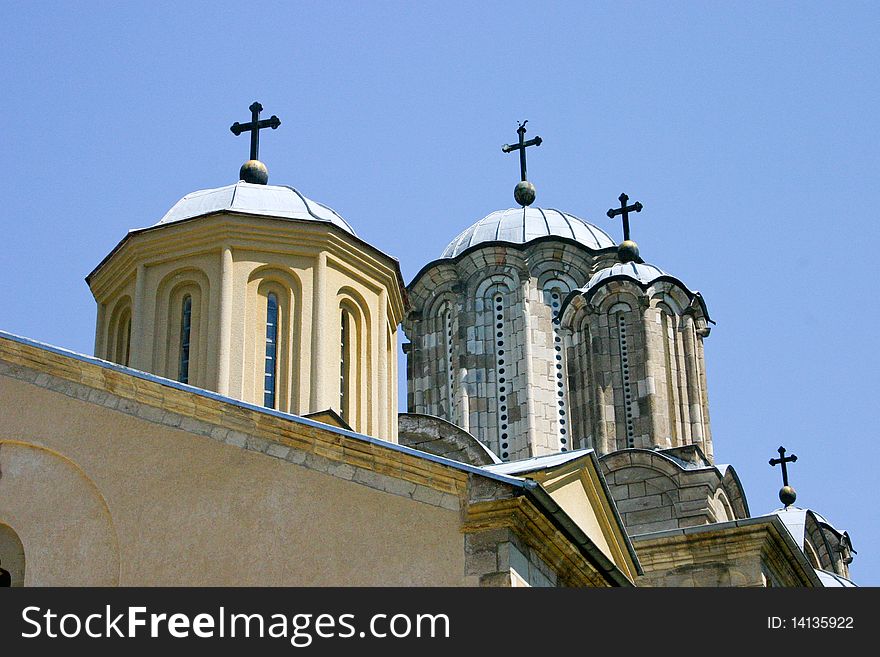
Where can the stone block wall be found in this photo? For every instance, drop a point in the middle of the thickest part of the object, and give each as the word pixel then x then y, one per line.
pixel 509 373
pixel 657 492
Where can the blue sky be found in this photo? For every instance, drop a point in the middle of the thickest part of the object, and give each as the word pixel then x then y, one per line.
pixel 748 130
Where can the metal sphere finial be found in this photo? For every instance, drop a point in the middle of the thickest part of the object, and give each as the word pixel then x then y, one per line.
pixel 255 172
pixel 787 495
pixel 628 251
pixel 524 193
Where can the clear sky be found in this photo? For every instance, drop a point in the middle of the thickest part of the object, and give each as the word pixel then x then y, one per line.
pixel 748 130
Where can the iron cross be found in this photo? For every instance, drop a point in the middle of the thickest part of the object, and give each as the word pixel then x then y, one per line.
pixel 522 146
pixel 625 209
pixel 783 460
pixel 254 127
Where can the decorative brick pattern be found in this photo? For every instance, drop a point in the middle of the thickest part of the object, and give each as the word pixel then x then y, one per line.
pixel 534 413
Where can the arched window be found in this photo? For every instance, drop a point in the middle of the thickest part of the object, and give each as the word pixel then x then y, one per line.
pixel 12 561
pixel 122 338
pixel 671 366
pixel 501 377
pixel 446 317
pixel 185 330
pixel 345 348
pixel 618 315
pixel 271 372
pixel 123 344
pixel 118 340
pixel 554 292
pixel 357 351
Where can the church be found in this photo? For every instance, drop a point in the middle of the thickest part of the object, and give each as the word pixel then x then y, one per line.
pixel 241 410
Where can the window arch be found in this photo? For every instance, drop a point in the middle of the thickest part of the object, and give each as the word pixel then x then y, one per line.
pixel 354 391
pixel 184 339
pixel 270 375
pixel 270 383
pixel 274 344
pixel 554 292
pixel 348 354
pixel 118 347
pixel 671 354
pixel 445 320
pixel 624 331
pixel 184 335
pixel 495 305
pixel 180 345
pixel 12 558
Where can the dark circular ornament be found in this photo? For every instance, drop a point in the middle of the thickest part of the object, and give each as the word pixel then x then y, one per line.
pixel 524 193
pixel 787 495
pixel 628 251
pixel 254 172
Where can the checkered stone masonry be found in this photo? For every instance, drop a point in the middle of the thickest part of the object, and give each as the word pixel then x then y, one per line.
pixel 508 352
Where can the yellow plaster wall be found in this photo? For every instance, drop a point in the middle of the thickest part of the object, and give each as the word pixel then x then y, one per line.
pixel 571 497
pixel 321 265
pixel 101 497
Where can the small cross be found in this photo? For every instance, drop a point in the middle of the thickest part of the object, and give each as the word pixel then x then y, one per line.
pixel 522 146
pixel 254 127
pixel 783 460
pixel 625 209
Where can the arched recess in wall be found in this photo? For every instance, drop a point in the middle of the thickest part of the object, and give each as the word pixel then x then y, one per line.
pixel 181 327
pixel 118 342
pixel 440 349
pixel 496 300
pixel 275 378
pixel 12 558
pixel 811 553
pixel 623 326
pixel 66 529
pixel 673 367
pixel 356 394
pixel 721 507
pixel 555 287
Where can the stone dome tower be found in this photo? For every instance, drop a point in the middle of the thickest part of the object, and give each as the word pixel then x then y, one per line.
pixel 256 292
pixel 486 349
pixel 636 370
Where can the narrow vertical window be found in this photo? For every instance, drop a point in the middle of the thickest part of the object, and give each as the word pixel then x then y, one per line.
pixel 270 377
pixel 450 372
pixel 623 346
pixel 126 342
pixel 185 326
pixel 553 298
pixel 344 364
pixel 123 339
pixel 501 377
pixel 671 387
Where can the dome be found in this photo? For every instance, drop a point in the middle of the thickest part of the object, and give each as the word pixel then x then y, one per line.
pixel 522 225
pixel 265 200
pixel 640 272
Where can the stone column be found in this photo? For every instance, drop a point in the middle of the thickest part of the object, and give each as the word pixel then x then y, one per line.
pixel 382 387
pixel 139 354
pixel 465 422
pixel 529 389
pixel 318 367
pixel 704 399
pixel 224 343
pixel 654 425
pixel 695 409
pixel 101 333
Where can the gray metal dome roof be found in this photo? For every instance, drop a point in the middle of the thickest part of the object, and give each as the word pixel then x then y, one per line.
pixel 279 201
pixel 522 225
pixel 641 272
